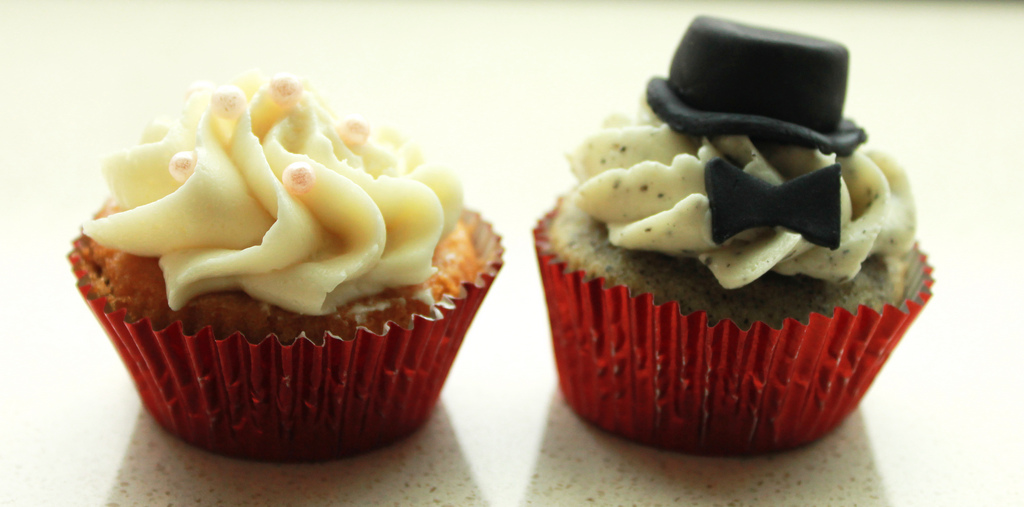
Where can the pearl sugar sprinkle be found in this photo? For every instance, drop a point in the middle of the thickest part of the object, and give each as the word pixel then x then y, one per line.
pixel 182 165
pixel 228 102
pixel 285 89
pixel 298 178
pixel 354 130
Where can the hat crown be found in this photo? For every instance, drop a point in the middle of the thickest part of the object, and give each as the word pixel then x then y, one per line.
pixel 728 67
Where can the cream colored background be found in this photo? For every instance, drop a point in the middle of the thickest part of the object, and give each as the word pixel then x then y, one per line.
pixel 500 91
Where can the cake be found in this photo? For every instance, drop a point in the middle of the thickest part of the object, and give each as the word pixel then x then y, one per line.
pixel 283 283
pixel 734 267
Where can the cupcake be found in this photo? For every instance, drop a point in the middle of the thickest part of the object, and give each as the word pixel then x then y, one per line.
pixel 733 268
pixel 283 284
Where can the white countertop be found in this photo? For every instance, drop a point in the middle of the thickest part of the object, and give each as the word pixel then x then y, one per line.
pixel 500 91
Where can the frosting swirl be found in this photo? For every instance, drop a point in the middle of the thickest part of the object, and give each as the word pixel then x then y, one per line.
pixel 646 183
pixel 371 221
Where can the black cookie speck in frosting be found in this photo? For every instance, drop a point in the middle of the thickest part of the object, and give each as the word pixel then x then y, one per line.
pixel 732 79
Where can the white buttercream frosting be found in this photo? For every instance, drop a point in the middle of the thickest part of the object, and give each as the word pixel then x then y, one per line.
pixel 371 219
pixel 646 183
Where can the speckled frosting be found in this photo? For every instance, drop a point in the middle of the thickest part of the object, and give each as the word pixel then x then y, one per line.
pixel 645 182
pixel 582 243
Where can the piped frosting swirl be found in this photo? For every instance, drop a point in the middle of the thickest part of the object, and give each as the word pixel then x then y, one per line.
pixel 357 218
pixel 646 183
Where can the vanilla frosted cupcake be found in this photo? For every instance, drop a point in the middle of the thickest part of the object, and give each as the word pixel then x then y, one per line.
pixel 284 263
pixel 727 246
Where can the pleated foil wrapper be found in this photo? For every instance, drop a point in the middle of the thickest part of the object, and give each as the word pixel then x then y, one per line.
pixel 301 401
pixel 650 374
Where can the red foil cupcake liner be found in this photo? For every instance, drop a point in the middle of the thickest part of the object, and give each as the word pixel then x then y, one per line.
pixel 302 401
pixel 650 374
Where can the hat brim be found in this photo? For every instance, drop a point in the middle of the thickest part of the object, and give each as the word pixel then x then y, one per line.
pixel 665 103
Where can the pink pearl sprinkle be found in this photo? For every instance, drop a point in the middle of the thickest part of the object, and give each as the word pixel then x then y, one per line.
pixel 285 89
pixel 298 178
pixel 228 102
pixel 182 165
pixel 354 130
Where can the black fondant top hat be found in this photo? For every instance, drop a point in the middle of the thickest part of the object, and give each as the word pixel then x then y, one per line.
pixel 729 79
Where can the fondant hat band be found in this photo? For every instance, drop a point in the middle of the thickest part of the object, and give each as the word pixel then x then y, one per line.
pixel 729 79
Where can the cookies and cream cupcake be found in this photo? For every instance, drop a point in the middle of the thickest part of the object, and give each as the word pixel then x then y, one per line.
pixel 283 283
pixel 733 267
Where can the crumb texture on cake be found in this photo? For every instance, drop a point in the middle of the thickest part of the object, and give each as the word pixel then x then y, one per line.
pixel 137 284
pixel 582 243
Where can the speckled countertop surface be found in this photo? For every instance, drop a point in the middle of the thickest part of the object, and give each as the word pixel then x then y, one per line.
pixel 500 91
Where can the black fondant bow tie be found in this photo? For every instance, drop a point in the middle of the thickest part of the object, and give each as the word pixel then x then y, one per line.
pixel 808 205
